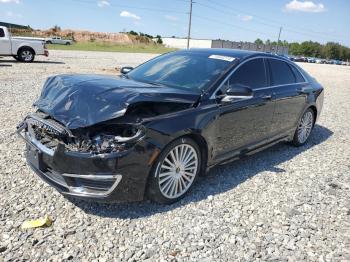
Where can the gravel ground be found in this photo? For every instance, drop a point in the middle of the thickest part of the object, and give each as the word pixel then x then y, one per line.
pixel 284 203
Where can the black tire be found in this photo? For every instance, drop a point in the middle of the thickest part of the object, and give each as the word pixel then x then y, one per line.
pixel 154 191
pixel 26 55
pixel 49 42
pixel 298 139
pixel 16 57
pixel 67 43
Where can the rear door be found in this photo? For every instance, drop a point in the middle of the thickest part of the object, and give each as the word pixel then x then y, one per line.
pixel 5 43
pixel 287 83
pixel 243 122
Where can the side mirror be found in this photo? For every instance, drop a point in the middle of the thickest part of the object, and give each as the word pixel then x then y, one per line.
pixel 126 70
pixel 237 91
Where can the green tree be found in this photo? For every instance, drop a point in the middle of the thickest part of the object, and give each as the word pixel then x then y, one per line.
pixel 259 41
pixel 149 36
pixel 332 50
pixel 159 39
pixel 309 48
pixel 294 49
pixel 345 53
pixel 133 33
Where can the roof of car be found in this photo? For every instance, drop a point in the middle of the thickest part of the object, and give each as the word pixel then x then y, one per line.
pixel 237 53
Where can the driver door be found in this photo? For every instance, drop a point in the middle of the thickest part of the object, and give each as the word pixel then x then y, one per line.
pixel 243 122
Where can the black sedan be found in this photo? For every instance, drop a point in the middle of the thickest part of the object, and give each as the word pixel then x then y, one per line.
pixel 153 130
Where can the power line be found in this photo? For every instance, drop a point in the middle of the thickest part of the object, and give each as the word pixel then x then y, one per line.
pixel 134 7
pixel 265 21
pixel 260 23
pixel 230 25
pixel 217 21
pixel 230 13
pixel 218 7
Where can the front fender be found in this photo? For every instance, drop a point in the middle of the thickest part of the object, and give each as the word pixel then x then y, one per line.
pixel 199 121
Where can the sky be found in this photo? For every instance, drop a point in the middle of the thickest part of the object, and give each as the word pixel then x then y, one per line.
pixel 316 20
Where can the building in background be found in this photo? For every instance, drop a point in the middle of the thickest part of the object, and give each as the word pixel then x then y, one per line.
pixel 181 43
pixel 281 50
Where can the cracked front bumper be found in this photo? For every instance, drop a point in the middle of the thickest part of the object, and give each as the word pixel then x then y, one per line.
pixel 113 177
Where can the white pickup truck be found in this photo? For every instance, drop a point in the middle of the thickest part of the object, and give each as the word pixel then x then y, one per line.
pixel 23 49
pixel 58 41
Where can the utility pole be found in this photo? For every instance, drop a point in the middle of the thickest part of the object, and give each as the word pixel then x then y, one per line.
pixel 189 25
pixel 279 36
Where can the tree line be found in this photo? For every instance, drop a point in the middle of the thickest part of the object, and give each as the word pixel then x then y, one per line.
pixel 330 50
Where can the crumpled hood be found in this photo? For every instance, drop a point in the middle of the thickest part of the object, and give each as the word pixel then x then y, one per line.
pixel 84 100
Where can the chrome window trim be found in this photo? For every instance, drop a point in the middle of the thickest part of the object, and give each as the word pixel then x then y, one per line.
pixel 290 64
pixel 213 96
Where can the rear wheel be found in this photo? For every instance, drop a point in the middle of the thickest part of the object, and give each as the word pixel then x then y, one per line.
pixel 175 171
pixel 304 129
pixel 26 55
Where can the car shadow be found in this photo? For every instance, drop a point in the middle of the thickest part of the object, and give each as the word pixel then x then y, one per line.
pixel 219 180
pixel 1 62
pixel 34 62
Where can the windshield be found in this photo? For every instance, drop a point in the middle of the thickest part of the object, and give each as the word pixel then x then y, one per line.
pixel 183 70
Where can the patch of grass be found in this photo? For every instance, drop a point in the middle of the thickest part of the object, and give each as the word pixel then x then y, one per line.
pixel 111 47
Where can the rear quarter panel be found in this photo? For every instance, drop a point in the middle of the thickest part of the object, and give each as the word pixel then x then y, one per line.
pixel 37 46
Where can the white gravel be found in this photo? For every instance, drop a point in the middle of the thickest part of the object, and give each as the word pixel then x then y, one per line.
pixel 284 203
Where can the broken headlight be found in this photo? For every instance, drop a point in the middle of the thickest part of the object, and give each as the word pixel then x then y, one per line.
pixel 105 143
pixel 107 140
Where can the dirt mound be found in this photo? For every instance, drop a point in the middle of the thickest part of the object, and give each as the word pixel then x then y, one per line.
pixel 83 36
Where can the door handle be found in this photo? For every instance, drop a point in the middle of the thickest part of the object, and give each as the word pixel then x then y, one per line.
pixel 267 97
pixel 304 90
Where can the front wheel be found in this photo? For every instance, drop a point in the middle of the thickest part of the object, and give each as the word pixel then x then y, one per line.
pixel 26 55
pixel 304 128
pixel 175 171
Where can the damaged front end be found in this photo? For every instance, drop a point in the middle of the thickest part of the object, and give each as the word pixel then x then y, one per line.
pixel 85 162
pixel 88 136
pixel 98 139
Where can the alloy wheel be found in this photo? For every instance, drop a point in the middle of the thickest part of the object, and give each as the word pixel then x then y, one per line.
pixel 178 171
pixel 305 126
pixel 27 55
